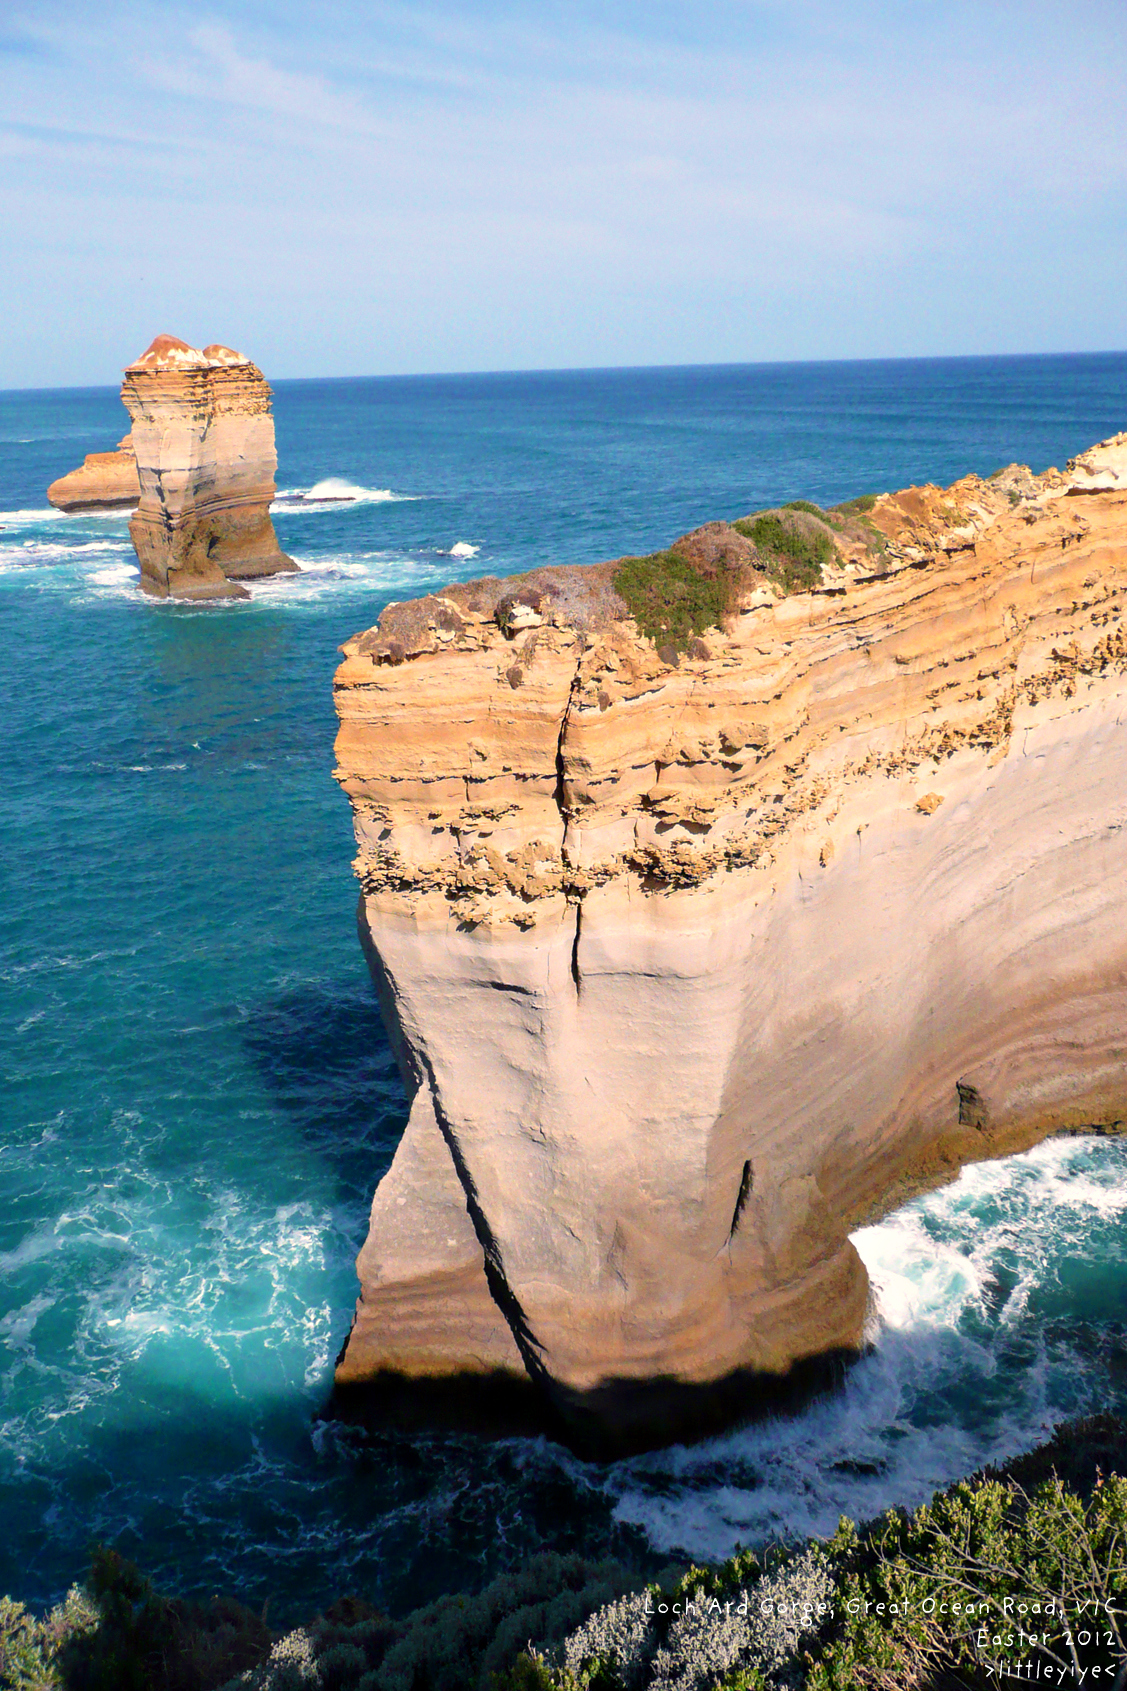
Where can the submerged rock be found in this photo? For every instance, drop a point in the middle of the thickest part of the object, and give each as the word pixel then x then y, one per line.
pixel 696 960
pixel 204 440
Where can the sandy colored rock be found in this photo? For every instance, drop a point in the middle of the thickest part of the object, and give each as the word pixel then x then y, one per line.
pixel 204 439
pixel 105 481
pixel 1102 469
pixel 690 970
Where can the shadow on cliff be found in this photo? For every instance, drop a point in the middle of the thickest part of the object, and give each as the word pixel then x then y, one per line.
pixel 324 1057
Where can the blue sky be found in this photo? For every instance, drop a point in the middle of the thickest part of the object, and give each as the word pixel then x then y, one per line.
pixel 343 189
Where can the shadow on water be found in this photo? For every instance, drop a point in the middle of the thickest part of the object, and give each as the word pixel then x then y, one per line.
pixel 324 1058
pixel 256 1509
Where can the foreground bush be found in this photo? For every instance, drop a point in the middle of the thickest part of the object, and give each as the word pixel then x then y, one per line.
pixel 457 1643
pixel 987 1582
pixel 117 1634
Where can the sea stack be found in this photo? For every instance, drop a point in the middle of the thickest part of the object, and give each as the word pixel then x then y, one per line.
pixel 204 442
pixel 699 954
pixel 106 481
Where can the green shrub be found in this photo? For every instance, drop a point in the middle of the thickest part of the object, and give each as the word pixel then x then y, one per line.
pixel 456 1643
pixel 32 1651
pixel 793 547
pixel 117 1634
pixel 859 506
pixel 669 599
pixel 978 1551
pixel 804 505
pixel 929 1599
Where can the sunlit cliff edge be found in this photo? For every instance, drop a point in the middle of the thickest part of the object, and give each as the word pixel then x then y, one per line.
pixel 698 952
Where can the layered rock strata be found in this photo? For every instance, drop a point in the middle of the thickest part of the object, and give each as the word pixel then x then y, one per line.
pixel 695 961
pixel 204 440
pixel 104 481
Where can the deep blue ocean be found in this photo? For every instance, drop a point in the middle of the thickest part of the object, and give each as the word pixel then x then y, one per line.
pixel 197 1095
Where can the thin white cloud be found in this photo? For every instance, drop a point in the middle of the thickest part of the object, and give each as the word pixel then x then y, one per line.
pixel 210 66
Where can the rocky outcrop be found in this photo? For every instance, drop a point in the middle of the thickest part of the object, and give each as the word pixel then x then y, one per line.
pixel 1102 469
pixel 698 956
pixel 204 439
pixel 105 481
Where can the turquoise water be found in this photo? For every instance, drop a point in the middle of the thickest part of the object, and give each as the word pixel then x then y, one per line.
pixel 198 1097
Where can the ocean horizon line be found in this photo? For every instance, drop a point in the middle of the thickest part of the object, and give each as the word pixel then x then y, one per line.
pixel 633 369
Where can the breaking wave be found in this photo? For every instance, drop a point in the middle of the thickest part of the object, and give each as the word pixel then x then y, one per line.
pixel 333 491
pixel 21 519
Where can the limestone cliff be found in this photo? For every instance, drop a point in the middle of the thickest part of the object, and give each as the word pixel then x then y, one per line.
pixel 104 481
pixel 697 958
pixel 204 440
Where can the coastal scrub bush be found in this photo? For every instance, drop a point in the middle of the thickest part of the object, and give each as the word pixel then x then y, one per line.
pixel 806 505
pixel 793 545
pixel 116 1633
pixel 33 1652
pixel 852 522
pixel 155 1643
pixel 985 1582
pixel 734 1626
pixel 457 1643
pixel 670 599
pixel 617 1643
pixel 752 1641
pixel 988 1581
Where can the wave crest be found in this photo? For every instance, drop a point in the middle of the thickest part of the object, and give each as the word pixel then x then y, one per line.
pixel 335 490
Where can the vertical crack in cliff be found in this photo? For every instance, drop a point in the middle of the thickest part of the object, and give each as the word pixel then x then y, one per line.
pixel 575 975
pixel 561 764
pixel 746 1183
pixel 500 1290
pixel 561 805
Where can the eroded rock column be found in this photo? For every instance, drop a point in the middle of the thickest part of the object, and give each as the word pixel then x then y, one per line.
pixel 203 436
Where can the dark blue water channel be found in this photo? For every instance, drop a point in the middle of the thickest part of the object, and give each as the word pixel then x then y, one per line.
pixel 198 1097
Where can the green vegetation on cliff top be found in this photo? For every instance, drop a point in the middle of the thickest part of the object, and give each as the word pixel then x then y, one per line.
pixel 670 599
pixel 794 543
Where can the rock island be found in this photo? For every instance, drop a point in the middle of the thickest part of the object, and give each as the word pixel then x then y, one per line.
pixel 198 464
pixel 204 439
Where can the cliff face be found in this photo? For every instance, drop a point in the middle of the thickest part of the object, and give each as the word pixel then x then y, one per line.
pixel 204 441
pixel 104 481
pixel 696 961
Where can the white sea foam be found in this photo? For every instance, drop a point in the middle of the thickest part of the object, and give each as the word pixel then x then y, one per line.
pixel 24 556
pixel 39 1243
pixel 44 514
pixel 463 549
pixel 52 551
pixel 335 490
pixel 331 573
pixel 17 1325
pixel 116 576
